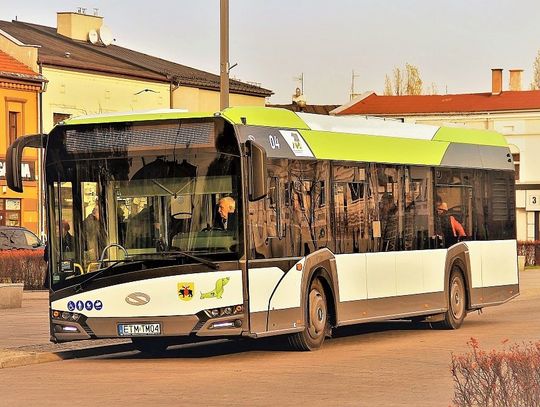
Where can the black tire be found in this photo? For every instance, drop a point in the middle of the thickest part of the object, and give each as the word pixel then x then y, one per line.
pixel 316 317
pixel 457 301
pixel 150 346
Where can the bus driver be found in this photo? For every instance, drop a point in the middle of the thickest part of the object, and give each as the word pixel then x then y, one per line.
pixel 226 218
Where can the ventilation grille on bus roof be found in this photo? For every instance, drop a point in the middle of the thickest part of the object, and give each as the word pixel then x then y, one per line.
pixel 115 138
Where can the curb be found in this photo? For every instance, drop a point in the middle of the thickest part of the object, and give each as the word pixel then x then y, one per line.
pixel 11 358
pixel 17 358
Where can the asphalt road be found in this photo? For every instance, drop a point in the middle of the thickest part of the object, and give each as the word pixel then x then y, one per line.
pixel 385 364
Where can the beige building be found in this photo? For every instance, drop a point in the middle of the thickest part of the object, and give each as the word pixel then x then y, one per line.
pixel 514 112
pixel 88 74
pixel 81 71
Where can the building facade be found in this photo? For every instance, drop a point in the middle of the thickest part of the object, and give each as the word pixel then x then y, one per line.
pixel 515 113
pixel 20 88
pixel 88 74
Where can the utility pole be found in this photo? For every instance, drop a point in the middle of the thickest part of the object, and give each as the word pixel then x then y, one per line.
pixel 224 55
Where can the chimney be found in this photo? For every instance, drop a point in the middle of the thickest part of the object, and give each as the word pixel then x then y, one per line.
pixel 77 25
pixel 496 81
pixel 515 79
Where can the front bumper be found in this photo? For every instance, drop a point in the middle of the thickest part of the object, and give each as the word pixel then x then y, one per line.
pixel 199 325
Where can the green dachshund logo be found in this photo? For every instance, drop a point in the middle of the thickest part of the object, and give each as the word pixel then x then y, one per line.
pixel 218 291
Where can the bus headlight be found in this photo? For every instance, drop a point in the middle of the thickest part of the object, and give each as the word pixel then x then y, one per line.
pixel 65 315
pixel 237 323
pixel 225 311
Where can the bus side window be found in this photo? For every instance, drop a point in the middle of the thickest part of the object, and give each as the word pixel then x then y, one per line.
pixel 453 205
pixel 273 210
pixel 389 207
pixel 418 224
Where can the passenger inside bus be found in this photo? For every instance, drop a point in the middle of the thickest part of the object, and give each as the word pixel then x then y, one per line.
pixel 451 230
pixel 142 227
pixel 95 234
pixel 67 237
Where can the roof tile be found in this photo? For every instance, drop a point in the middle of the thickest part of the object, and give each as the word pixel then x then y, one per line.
pixel 436 104
pixel 58 50
pixel 9 64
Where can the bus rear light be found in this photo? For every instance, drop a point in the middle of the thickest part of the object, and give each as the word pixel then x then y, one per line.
pixel 238 309
pixel 56 314
pixel 66 315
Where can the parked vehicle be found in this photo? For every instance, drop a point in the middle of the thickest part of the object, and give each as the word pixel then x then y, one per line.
pixel 14 237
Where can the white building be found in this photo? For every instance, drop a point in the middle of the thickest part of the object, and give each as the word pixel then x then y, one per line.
pixel 514 113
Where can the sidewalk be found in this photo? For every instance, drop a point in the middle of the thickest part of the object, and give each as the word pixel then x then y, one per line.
pixel 28 325
pixel 24 336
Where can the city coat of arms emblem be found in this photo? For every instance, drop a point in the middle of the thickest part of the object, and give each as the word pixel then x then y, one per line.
pixel 185 291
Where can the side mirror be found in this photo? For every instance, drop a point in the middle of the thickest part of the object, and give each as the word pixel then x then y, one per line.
pixel 258 175
pixel 14 158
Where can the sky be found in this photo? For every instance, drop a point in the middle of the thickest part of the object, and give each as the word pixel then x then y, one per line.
pixel 454 43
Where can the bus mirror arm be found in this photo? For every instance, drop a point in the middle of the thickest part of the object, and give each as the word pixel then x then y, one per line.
pixel 258 174
pixel 14 158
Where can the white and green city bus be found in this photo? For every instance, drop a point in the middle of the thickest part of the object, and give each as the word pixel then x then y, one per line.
pixel 331 221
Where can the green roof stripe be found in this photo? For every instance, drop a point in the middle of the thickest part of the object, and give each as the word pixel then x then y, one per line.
pixel 470 136
pixel 260 116
pixel 354 147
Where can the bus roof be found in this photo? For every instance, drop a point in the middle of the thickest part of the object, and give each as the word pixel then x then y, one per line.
pixel 344 138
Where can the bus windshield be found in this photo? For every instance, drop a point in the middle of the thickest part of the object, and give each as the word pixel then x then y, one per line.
pixel 139 203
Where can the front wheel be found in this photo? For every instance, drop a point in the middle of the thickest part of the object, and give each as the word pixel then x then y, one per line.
pixel 457 301
pixel 317 324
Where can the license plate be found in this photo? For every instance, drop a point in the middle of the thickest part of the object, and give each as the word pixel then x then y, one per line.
pixel 139 329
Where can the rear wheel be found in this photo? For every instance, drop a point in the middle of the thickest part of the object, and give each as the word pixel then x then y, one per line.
pixel 150 346
pixel 317 324
pixel 457 301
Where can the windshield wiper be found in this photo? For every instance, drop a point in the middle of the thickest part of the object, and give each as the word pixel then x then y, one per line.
pixel 179 253
pixel 97 273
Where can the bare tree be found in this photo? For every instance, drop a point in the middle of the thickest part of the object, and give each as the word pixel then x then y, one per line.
pixel 432 89
pixel 399 87
pixel 406 81
pixel 387 86
pixel 535 84
pixel 414 82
